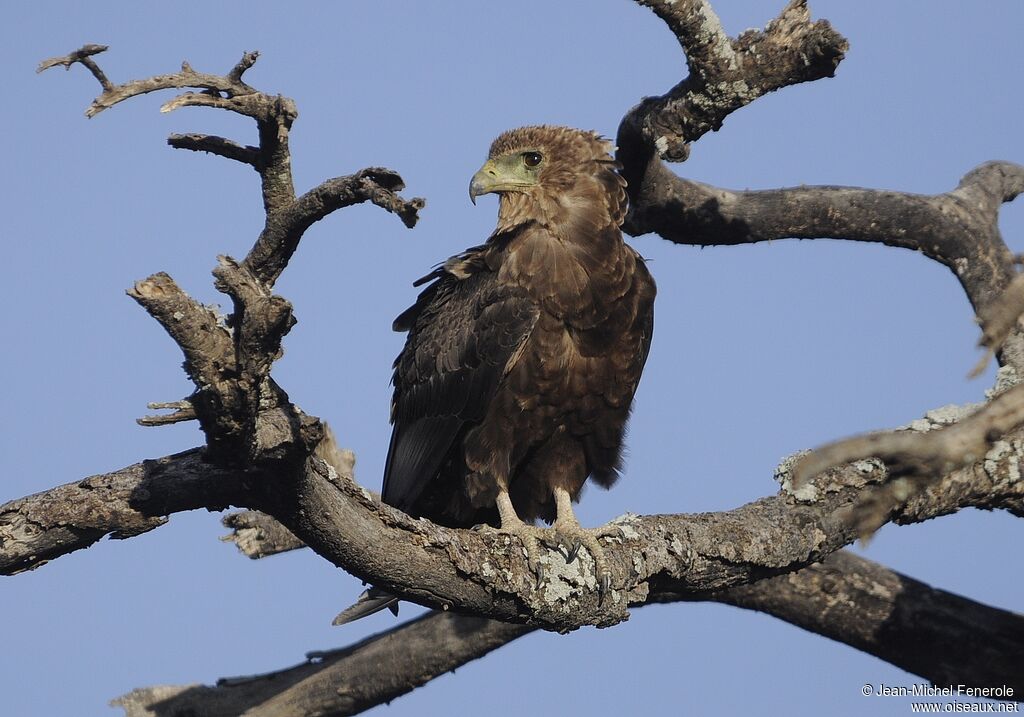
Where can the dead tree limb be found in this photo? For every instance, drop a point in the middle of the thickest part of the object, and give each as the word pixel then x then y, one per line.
pixel 229 358
pixel 337 682
pixel 122 504
pixel 916 627
pixel 725 74
pixel 846 598
pixel 958 228
pixel 486 574
pixel 915 459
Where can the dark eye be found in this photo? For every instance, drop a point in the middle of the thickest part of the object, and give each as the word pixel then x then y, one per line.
pixel 531 159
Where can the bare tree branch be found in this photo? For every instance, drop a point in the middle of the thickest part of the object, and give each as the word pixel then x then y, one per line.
pixel 122 504
pixel 945 638
pixel 229 360
pixel 486 574
pixel 183 411
pixel 83 56
pixel 958 229
pixel 240 97
pixel 942 637
pixel 725 75
pixel 274 116
pixel 280 238
pixel 337 682
pixel 915 459
pixel 216 145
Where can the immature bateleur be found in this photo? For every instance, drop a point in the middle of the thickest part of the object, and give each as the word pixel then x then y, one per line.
pixel 523 354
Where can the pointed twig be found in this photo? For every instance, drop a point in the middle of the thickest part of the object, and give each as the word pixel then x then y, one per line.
pixel 183 411
pixel 216 145
pixel 83 56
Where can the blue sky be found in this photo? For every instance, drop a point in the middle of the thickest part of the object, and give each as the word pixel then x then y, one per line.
pixel 759 351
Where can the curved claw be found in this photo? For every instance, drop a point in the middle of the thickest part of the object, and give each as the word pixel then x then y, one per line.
pixel 538 571
pixel 604 586
pixel 572 538
pixel 573 552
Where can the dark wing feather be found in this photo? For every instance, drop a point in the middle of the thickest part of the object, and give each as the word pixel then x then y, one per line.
pixel 463 332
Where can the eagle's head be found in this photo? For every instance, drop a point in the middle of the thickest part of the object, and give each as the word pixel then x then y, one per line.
pixel 545 173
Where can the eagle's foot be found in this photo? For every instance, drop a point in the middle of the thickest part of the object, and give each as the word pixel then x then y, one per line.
pixel 571 542
pixel 573 537
pixel 531 536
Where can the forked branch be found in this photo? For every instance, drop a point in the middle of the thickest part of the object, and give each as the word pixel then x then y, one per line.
pixel 274 116
pixel 229 358
pixel 959 228
pixel 725 74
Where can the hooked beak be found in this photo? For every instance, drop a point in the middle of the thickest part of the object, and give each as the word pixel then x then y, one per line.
pixel 484 182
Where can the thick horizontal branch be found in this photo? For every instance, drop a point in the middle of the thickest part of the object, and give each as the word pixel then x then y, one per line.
pixel 939 636
pixel 122 504
pixel 945 638
pixel 486 573
pixel 665 557
pixel 958 228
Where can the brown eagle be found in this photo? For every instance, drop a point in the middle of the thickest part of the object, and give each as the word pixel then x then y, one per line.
pixel 523 353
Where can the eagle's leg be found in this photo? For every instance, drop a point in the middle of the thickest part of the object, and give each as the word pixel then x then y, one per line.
pixel 574 536
pixel 530 535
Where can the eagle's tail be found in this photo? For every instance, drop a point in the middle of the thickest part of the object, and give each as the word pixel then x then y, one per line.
pixel 372 600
